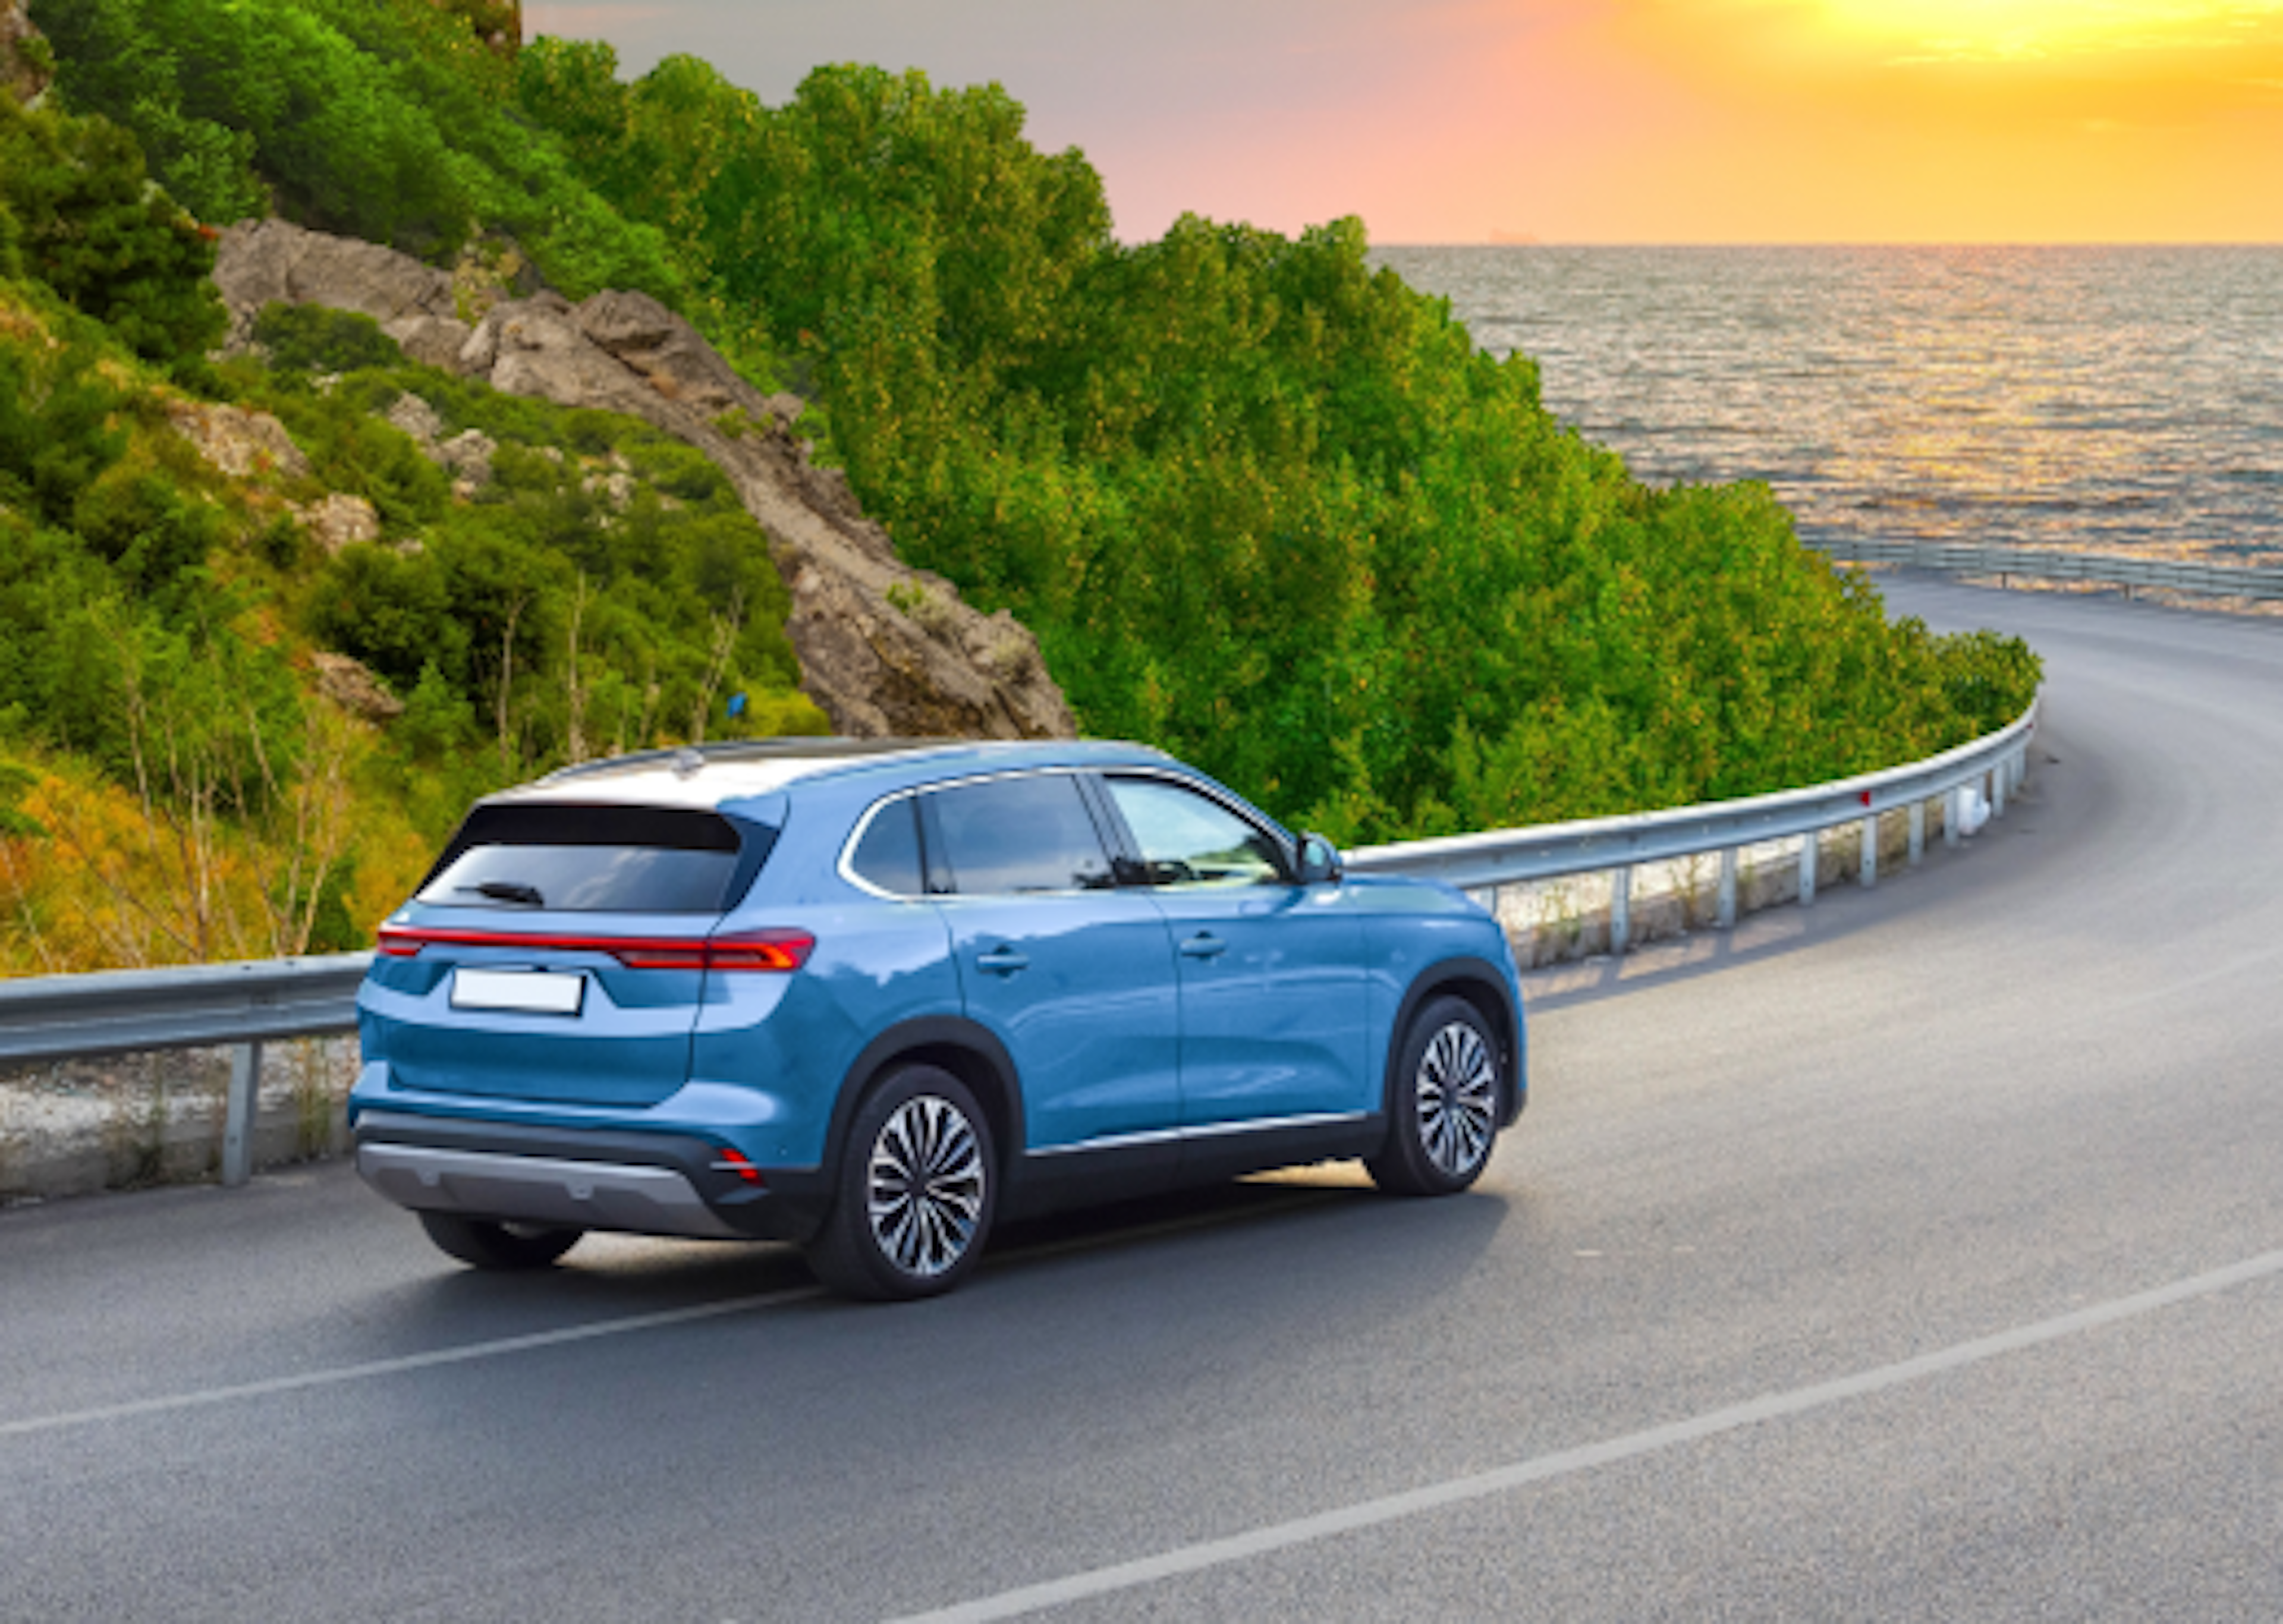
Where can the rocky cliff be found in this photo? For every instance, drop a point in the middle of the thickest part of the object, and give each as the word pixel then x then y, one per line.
pixel 24 68
pixel 885 650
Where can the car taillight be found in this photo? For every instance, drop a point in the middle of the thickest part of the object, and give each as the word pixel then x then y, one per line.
pixel 778 951
pixel 760 950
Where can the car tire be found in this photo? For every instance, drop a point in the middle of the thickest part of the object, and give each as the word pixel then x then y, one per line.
pixel 1442 1102
pixel 916 1191
pixel 489 1244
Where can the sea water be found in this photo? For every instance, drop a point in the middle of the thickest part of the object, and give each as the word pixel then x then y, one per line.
pixel 2116 400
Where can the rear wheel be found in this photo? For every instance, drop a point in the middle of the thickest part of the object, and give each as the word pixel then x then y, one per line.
pixel 916 1192
pixel 1442 1103
pixel 489 1243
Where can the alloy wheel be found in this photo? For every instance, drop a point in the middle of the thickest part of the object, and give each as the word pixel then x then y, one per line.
pixel 925 1186
pixel 1457 1092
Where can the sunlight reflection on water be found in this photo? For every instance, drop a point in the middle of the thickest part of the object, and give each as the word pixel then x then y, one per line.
pixel 2101 399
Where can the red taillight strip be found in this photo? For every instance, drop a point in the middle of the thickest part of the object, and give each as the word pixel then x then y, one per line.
pixel 748 950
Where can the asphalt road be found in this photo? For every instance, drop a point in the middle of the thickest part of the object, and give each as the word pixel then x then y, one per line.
pixel 1917 1255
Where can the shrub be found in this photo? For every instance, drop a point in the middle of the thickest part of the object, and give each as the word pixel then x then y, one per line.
pixel 318 338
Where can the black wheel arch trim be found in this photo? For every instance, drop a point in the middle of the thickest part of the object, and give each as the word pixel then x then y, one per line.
pixel 1484 985
pixel 965 1048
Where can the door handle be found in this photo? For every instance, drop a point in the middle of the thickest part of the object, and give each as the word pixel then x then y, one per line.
pixel 1204 944
pixel 1002 960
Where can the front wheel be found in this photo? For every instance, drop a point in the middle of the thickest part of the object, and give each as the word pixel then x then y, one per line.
pixel 1442 1103
pixel 490 1245
pixel 916 1192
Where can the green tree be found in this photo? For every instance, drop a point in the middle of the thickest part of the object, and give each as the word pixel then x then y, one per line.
pixel 88 224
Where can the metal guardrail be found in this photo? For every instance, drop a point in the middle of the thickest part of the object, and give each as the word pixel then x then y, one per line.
pixel 61 1017
pixel 2048 563
pixel 1509 857
pixel 121 1012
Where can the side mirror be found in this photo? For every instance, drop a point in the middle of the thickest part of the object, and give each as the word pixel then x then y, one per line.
pixel 1320 861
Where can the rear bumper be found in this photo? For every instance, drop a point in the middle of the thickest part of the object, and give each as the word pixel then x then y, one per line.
pixel 635 1183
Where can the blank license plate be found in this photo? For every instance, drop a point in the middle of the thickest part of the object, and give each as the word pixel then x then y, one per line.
pixel 534 993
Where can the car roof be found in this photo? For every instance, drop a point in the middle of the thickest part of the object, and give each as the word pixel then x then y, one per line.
pixel 714 775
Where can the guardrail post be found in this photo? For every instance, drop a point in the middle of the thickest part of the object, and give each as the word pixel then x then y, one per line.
pixel 240 1115
pixel 1998 790
pixel 1918 833
pixel 1621 909
pixel 1809 850
pixel 1867 871
pixel 1727 887
pixel 1953 813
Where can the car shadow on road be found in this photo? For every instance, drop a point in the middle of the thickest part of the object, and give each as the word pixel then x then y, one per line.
pixel 1328 1208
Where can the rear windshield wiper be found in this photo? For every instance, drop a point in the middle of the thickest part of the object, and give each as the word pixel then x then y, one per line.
pixel 507 891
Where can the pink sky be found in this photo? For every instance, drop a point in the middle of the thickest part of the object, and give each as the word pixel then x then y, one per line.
pixel 1587 120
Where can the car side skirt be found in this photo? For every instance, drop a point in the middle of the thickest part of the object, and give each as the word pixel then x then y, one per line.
pixel 1134 1164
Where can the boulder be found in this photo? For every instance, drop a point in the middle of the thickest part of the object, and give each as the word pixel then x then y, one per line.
pixel 468 454
pixel 238 442
pixel 417 418
pixel 338 521
pixel 259 262
pixel 666 352
pixel 356 689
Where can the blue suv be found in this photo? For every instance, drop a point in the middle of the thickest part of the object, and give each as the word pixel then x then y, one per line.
pixel 871 997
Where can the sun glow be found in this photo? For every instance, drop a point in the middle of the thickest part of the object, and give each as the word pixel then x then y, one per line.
pixel 2014 29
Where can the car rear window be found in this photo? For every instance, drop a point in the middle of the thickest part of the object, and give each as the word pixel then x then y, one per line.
pixel 597 859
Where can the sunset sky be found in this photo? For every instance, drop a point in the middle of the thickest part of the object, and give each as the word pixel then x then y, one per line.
pixel 1587 120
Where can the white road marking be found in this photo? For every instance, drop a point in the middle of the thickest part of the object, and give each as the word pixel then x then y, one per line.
pixel 335 1375
pixel 1775 1406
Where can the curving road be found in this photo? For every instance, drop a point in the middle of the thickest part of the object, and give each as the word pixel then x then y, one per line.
pixel 1917 1255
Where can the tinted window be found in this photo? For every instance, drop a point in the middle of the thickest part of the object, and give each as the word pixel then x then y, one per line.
pixel 1190 839
pixel 607 859
pixel 888 856
pixel 1030 834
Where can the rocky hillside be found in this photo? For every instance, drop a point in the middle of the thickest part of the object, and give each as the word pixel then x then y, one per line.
pixel 884 649
pixel 305 541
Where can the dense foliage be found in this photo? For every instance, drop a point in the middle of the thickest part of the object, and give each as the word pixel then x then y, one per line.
pixel 596 586
pixel 1265 505
pixel 77 214
pixel 376 118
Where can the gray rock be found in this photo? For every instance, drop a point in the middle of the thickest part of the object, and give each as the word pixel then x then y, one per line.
pixel 417 418
pixel 352 686
pixel 242 444
pixel 432 341
pixel 469 455
pixel 666 352
pixel 872 668
pixel 18 77
pixel 264 261
pixel 339 521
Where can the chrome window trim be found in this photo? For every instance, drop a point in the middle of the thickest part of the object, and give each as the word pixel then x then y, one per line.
pixel 845 866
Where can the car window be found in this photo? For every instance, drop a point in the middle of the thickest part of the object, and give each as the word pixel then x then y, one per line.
pixel 888 856
pixel 1189 839
pixel 607 859
pixel 1027 833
